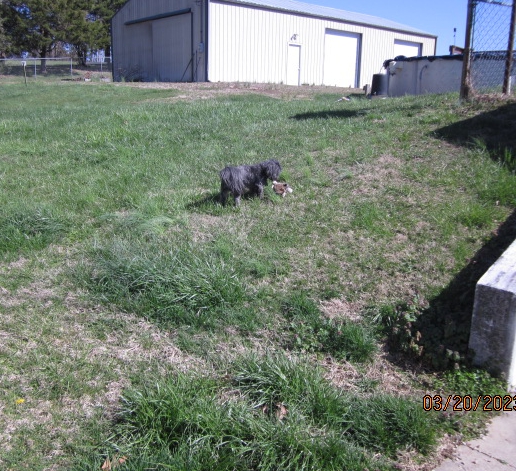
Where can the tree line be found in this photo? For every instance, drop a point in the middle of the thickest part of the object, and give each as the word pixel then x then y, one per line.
pixel 49 28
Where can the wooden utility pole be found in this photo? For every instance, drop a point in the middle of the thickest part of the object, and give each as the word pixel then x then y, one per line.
pixel 465 84
pixel 510 51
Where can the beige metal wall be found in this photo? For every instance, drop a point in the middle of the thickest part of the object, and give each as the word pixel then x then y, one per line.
pixel 251 45
pixel 159 49
pixel 172 48
pixel 239 43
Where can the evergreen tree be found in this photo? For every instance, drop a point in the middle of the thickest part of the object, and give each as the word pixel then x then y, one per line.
pixel 34 25
pixel 37 26
pixel 3 37
pixel 101 13
pixel 82 32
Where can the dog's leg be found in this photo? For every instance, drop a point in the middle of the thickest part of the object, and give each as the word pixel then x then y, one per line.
pixel 259 188
pixel 237 199
pixel 223 195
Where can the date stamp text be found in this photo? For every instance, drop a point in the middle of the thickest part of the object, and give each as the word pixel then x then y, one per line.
pixel 461 403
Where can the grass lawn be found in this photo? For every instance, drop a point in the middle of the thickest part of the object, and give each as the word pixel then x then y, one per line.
pixel 145 326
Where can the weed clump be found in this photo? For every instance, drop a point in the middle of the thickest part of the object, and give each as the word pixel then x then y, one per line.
pixel 311 332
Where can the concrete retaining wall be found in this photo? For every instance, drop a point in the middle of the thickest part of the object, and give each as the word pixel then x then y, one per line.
pixel 493 325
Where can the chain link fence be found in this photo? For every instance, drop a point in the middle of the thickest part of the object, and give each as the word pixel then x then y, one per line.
pixel 489 59
pixel 57 68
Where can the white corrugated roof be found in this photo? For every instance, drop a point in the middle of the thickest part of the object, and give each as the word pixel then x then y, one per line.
pixel 333 13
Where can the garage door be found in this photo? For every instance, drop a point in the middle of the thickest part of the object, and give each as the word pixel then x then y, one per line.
pixel 341 58
pixel 172 48
pixel 406 48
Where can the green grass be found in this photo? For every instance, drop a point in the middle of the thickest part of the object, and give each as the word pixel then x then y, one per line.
pixel 138 315
pixel 176 285
pixel 24 228
pixel 287 416
pixel 311 332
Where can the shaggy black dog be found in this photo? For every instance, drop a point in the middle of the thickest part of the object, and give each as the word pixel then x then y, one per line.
pixel 247 178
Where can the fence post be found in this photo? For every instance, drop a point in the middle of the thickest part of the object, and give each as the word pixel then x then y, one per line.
pixel 24 64
pixel 465 85
pixel 510 49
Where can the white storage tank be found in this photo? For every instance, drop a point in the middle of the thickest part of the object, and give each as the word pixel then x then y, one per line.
pixel 422 75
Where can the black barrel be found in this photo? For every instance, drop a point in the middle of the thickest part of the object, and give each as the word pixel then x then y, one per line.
pixel 380 85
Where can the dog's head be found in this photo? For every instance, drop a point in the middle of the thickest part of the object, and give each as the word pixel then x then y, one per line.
pixel 271 169
pixel 281 188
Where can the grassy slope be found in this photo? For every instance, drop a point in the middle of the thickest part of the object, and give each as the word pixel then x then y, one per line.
pixel 118 265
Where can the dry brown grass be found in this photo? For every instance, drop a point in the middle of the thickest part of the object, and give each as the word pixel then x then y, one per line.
pixel 206 90
pixel 74 358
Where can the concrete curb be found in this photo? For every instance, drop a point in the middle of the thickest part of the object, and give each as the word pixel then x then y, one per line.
pixel 495 451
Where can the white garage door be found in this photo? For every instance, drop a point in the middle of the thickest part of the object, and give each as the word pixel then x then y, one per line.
pixel 341 57
pixel 172 48
pixel 406 48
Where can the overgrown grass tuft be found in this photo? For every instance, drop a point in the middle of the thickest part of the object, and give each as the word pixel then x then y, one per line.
pixel 283 415
pixel 277 379
pixel 389 424
pixel 476 215
pixel 25 228
pixel 184 423
pixel 380 422
pixel 183 285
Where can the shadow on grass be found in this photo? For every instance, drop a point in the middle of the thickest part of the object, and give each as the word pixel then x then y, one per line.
pixel 205 202
pixel 496 130
pixel 329 114
pixel 439 334
pixel 344 113
pixel 211 203
pixel 441 331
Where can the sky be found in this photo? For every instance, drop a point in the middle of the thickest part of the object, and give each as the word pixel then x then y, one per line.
pixel 437 17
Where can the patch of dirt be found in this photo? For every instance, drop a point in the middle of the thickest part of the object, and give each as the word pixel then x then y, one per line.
pixel 372 177
pixel 380 374
pixel 202 225
pixel 408 460
pixel 339 308
pixel 206 90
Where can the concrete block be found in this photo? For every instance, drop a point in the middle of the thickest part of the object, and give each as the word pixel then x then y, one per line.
pixel 493 325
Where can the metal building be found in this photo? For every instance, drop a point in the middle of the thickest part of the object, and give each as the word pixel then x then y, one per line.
pixel 261 41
